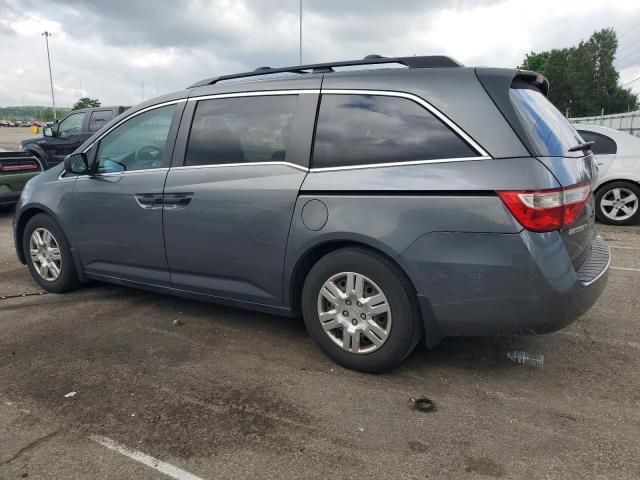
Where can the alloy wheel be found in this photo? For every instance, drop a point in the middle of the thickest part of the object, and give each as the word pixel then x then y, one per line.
pixel 354 312
pixel 45 254
pixel 619 204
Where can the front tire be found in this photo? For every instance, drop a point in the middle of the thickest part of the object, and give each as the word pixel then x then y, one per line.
pixel 48 255
pixel 618 203
pixel 361 310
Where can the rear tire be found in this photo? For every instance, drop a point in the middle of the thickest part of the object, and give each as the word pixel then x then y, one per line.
pixel 376 307
pixel 51 264
pixel 618 203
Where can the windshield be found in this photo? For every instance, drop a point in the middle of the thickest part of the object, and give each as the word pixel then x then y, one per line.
pixel 549 131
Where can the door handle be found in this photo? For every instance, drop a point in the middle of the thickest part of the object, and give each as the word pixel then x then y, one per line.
pixel 174 201
pixel 149 201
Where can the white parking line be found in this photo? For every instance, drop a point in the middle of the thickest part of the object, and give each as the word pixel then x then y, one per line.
pixel 149 461
pixel 626 269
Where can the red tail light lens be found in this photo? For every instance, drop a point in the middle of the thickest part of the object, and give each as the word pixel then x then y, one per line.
pixel 19 166
pixel 547 210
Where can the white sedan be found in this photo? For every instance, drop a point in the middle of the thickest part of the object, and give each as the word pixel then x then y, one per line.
pixel 618 185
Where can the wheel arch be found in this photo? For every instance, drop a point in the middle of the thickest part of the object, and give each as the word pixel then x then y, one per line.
pixel 320 249
pixel 38 152
pixel 21 223
pixel 635 182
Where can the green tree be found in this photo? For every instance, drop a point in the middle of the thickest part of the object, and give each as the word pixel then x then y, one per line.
pixel 86 102
pixel 583 79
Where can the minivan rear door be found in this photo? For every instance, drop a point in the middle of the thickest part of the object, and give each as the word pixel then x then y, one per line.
pixel 555 143
pixel 239 162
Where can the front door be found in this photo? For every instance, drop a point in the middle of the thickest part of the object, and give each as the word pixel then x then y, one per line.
pixel 233 196
pixel 118 207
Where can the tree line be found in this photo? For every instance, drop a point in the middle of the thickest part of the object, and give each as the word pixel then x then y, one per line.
pixel 583 80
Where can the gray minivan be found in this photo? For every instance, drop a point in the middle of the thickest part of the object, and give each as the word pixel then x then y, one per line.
pixel 388 206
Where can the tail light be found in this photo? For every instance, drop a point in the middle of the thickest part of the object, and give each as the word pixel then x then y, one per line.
pixel 19 166
pixel 547 210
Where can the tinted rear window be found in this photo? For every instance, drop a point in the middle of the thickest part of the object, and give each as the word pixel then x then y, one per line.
pixel 603 145
pixel 99 119
pixel 372 129
pixel 549 131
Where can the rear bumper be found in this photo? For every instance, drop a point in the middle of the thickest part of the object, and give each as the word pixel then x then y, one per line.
pixel 502 284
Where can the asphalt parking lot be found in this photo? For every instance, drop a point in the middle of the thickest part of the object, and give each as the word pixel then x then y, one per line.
pixel 10 137
pixel 234 394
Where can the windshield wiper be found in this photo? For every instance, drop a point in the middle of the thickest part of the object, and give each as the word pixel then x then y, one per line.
pixel 582 147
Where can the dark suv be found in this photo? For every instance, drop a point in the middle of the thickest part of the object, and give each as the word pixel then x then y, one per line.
pixel 68 134
pixel 388 206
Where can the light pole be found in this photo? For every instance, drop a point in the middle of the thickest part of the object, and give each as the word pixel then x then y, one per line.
pixel 46 36
pixel 300 29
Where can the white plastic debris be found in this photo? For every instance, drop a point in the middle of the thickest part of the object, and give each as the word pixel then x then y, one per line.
pixel 70 394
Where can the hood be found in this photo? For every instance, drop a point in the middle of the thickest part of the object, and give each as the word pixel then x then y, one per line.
pixel 31 140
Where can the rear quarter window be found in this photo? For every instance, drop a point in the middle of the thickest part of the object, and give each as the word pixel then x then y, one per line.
pixel 355 130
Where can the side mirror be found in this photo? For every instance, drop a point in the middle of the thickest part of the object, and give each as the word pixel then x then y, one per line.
pixel 47 132
pixel 76 163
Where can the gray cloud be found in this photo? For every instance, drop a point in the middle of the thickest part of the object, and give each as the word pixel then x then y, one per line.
pixel 109 48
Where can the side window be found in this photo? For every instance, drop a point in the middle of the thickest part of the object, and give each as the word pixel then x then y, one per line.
pixel 369 129
pixel 603 145
pixel 239 130
pixel 137 144
pixel 71 125
pixel 99 119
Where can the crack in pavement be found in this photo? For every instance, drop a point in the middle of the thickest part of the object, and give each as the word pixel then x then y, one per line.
pixel 35 443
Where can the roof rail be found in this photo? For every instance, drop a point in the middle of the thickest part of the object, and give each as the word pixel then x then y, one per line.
pixel 431 61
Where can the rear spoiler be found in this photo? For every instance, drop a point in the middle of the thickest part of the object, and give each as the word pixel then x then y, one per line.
pixel 498 81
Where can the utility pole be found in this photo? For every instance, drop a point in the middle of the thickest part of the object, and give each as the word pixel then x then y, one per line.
pixel 46 36
pixel 300 31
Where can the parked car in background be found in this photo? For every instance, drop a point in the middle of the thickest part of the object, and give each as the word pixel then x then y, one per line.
pixel 68 134
pixel 618 186
pixel 16 169
pixel 390 206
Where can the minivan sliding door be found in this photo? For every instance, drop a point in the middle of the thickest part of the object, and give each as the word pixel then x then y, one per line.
pixel 245 158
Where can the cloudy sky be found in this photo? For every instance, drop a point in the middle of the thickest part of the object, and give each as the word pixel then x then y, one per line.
pixel 120 50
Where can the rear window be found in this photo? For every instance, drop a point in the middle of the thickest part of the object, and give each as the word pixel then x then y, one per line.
pixel 549 131
pixel 603 145
pixel 99 119
pixel 354 130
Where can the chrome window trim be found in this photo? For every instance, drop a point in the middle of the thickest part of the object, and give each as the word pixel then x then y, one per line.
pixel 254 93
pixel 123 173
pixel 243 164
pixel 483 155
pixel 135 114
pixel 397 164
pixel 420 101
